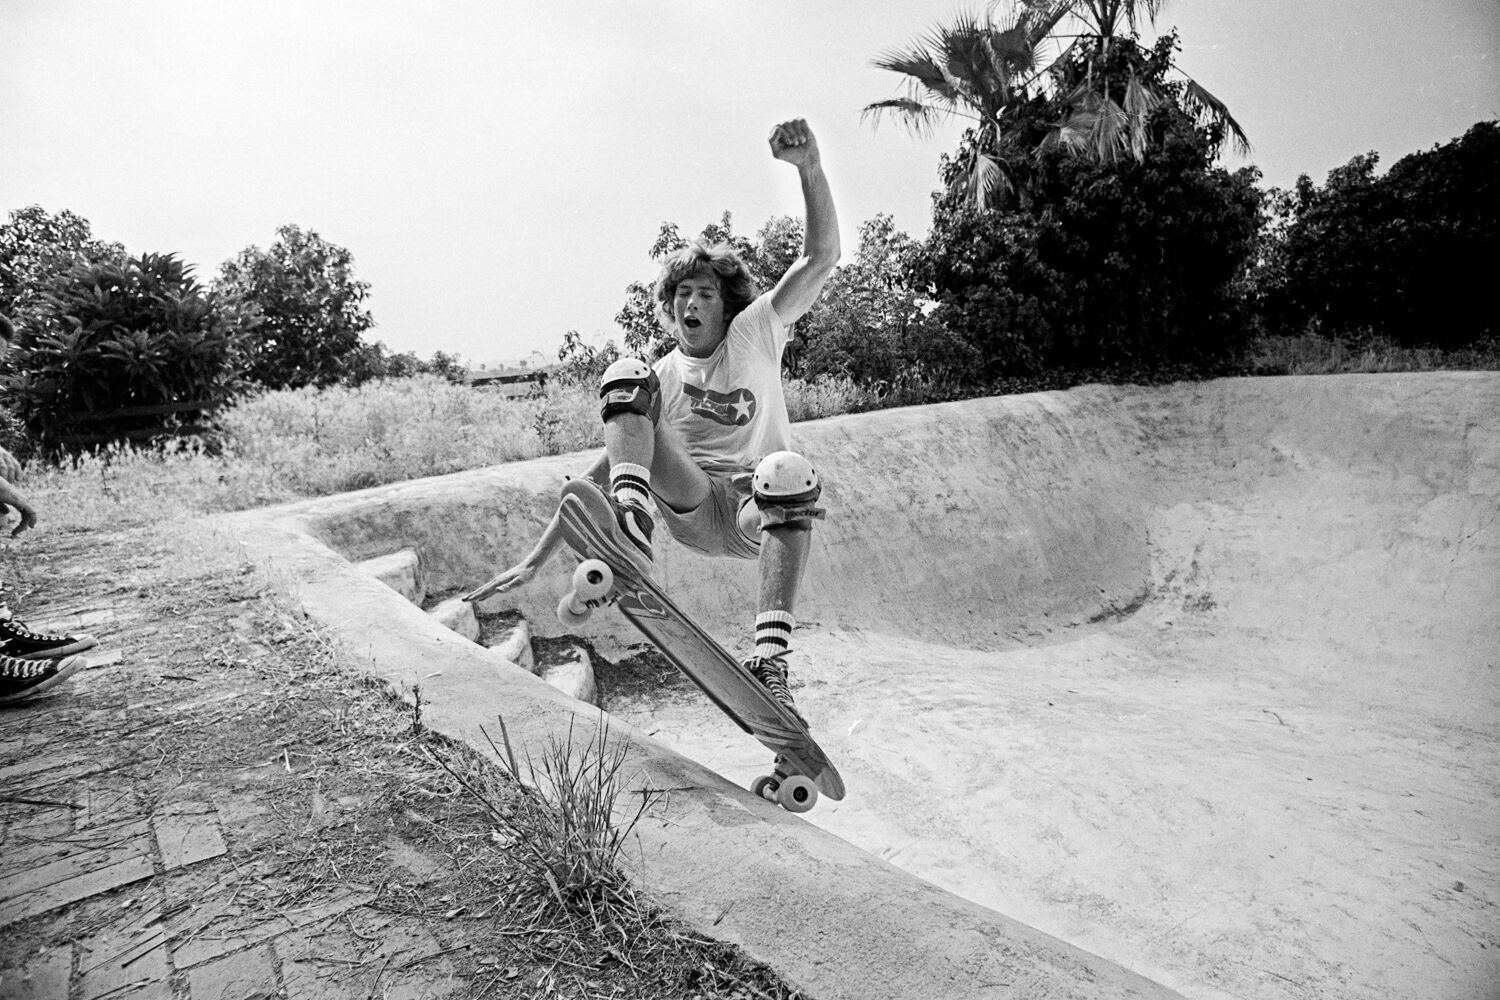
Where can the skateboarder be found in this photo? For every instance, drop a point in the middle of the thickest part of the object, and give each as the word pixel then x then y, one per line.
pixel 701 440
pixel 31 663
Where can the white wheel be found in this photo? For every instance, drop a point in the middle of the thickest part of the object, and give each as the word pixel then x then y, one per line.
pixel 797 794
pixel 764 787
pixel 592 581
pixel 570 612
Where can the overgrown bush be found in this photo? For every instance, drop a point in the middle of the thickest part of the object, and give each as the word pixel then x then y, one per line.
pixel 107 336
pixel 1108 266
pixel 376 361
pixel 1401 256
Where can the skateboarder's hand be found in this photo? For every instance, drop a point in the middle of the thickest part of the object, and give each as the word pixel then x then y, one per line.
pixel 10 469
pixel 794 142
pixel 10 498
pixel 516 576
pixel 28 518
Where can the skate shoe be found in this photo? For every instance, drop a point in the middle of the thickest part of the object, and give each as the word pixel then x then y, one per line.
pixel 26 644
pixel 771 671
pixel 23 679
pixel 636 524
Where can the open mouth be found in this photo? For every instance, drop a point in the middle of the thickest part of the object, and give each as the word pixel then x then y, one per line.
pixel 692 322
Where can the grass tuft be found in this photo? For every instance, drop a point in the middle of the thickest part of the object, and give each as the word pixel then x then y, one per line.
pixel 560 824
pixel 561 827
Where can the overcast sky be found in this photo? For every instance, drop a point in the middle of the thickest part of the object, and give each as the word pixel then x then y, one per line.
pixel 499 170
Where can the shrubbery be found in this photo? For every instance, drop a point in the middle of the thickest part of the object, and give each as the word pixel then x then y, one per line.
pixel 107 336
pixel 1402 256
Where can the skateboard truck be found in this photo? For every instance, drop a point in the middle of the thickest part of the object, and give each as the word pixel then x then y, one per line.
pixel 592 582
pixel 795 793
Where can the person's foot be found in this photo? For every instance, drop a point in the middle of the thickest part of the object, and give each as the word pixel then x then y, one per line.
pixel 23 679
pixel 771 671
pixel 26 644
pixel 637 525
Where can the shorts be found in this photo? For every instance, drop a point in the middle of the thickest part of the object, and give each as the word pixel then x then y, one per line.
pixel 713 527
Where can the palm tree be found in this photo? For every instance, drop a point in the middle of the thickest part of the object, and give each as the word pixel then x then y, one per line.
pixel 985 70
pixel 981 70
pixel 1109 104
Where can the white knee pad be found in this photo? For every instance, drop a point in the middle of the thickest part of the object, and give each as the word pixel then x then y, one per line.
pixel 786 490
pixel 630 386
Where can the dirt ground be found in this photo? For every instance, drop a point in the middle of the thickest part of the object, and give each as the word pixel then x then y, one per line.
pixel 329 853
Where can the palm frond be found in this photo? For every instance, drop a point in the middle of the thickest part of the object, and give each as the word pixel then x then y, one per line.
pixel 1140 102
pixel 918 64
pixel 1135 8
pixel 1206 107
pixel 919 118
pixel 983 181
pixel 1098 129
pixel 1041 21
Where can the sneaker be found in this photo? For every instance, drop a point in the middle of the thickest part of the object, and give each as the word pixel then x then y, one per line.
pixel 771 671
pixel 23 679
pixel 637 525
pixel 21 642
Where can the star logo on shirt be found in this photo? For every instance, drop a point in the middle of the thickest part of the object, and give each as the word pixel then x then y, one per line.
pixel 732 409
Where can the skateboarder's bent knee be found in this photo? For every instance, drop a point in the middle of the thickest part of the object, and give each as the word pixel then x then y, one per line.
pixel 630 386
pixel 785 495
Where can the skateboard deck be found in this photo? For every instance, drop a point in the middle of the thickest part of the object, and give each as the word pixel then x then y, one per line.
pixel 589 528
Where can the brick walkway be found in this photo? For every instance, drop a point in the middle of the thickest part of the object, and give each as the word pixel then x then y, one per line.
pixel 130 872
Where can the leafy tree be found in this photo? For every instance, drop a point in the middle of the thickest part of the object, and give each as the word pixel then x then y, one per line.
pixel 1401 255
pixel 448 366
pixel 1109 103
pixel 122 335
pixel 310 307
pixel 581 363
pixel 860 327
pixel 35 248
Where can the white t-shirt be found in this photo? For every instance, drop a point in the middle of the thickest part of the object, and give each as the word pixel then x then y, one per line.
pixel 729 407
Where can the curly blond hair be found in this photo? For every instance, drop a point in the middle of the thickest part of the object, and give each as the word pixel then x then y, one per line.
pixel 733 277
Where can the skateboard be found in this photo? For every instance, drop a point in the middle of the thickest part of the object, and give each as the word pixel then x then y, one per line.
pixel 608 573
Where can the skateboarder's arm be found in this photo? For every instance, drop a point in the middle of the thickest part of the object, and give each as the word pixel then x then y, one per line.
pixel 545 548
pixel 798 289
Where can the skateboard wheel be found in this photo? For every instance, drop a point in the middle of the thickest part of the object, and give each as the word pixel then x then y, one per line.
pixel 764 787
pixel 592 581
pixel 570 612
pixel 797 794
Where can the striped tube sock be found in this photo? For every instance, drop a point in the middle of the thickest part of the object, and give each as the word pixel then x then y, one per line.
pixel 773 633
pixel 631 482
